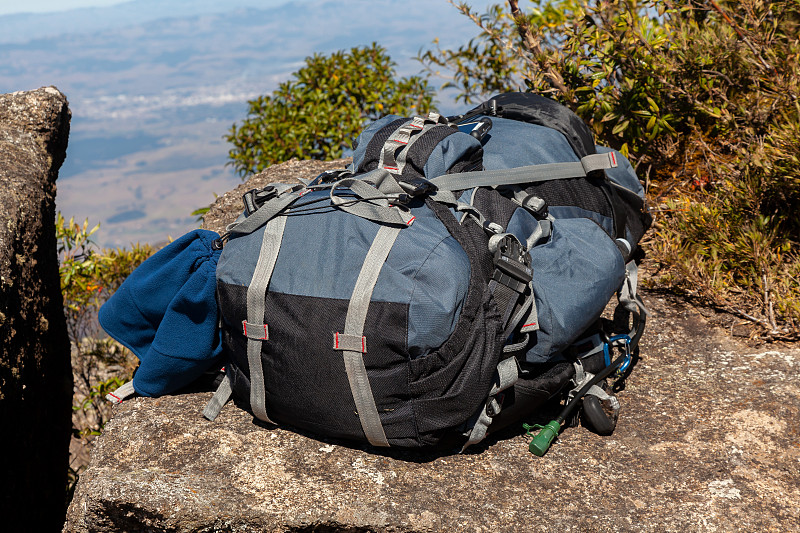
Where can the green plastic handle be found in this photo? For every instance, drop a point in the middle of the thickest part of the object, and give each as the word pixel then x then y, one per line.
pixel 542 441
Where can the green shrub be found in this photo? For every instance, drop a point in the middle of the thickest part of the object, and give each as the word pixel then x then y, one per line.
pixel 89 275
pixel 318 113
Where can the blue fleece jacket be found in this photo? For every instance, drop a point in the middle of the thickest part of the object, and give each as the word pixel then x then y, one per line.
pixel 166 313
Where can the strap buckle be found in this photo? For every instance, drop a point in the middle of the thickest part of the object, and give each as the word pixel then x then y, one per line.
pixel 255 198
pixel 623 342
pixel 417 186
pixel 329 176
pixel 512 264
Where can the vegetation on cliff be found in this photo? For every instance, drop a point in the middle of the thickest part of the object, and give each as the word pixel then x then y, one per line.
pixel 318 113
pixel 89 275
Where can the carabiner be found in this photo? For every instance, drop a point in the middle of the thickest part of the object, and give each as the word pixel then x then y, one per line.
pixel 626 346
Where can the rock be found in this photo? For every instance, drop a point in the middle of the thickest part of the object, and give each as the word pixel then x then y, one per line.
pixel 35 372
pixel 707 440
pixel 227 207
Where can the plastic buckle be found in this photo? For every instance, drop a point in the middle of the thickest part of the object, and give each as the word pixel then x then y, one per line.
pixel 329 176
pixel 626 346
pixel 536 206
pixel 417 187
pixel 255 198
pixel 512 261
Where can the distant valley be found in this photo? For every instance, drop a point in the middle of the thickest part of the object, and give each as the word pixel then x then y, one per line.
pixel 153 91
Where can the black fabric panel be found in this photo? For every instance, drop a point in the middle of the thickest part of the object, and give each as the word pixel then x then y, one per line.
pixel 536 385
pixel 537 109
pixel 372 154
pixel 422 148
pixel 586 193
pixel 472 163
pixel 452 383
pixel 494 206
pixel 305 377
pixel 637 217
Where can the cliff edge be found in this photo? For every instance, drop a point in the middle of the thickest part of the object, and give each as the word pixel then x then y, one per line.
pixel 35 371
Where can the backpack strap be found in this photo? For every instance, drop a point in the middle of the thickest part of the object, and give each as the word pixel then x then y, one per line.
pixel 372 201
pixel 122 393
pixel 220 398
pixel 353 343
pixel 527 174
pixel 253 328
pixel 281 198
pixel 403 138
pixel 505 376
pixel 630 301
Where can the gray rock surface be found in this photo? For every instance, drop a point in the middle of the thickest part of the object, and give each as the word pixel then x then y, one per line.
pixel 227 207
pixel 707 441
pixel 35 373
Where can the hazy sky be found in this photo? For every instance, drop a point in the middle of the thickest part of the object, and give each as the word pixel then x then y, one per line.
pixel 44 6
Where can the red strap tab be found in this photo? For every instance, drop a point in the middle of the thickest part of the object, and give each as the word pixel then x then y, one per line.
pixel 255 331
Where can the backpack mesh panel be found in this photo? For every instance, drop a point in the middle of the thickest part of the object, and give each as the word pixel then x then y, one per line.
pixel 585 193
pixel 372 154
pixel 494 206
pixel 454 381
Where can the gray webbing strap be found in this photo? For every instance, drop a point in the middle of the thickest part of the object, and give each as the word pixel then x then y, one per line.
pixel 400 137
pixel 525 315
pixel 505 376
pixel 354 331
pixel 268 211
pixel 531 323
pixel 582 377
pixel 256 303
pixel 350 343
pixel 371 203
pixel 404 137
pixel 403 155
pixel 124 391
pixel 527 174
pixel 220 398
pixel 627 294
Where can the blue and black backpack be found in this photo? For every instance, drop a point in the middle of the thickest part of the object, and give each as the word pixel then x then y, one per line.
pixel 450 280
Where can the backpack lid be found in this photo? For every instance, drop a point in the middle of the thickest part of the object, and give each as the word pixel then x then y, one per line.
pixel 540 110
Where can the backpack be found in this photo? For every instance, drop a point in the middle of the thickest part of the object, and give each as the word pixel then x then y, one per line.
pixel 448 282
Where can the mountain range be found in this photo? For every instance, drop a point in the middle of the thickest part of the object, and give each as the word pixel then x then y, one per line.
pixel 155 85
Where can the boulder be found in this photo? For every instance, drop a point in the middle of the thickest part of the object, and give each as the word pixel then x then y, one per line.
pixel 707 441
pixel 227 207
pixel 35 372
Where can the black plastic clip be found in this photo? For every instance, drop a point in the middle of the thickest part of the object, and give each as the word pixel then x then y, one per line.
pixel 535 206
pixel 255 198
pixel 513 264
pixel 417 186
pixel 329 176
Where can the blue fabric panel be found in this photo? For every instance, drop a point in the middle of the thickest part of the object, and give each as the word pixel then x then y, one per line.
pixel 166 313
pixel 449 152
pixel 623 174
pixel 511 144
pixel 439 289
pixel 322 253
pixel 522 225
pixel 574 275
pixel 363 139
pixel 571 211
